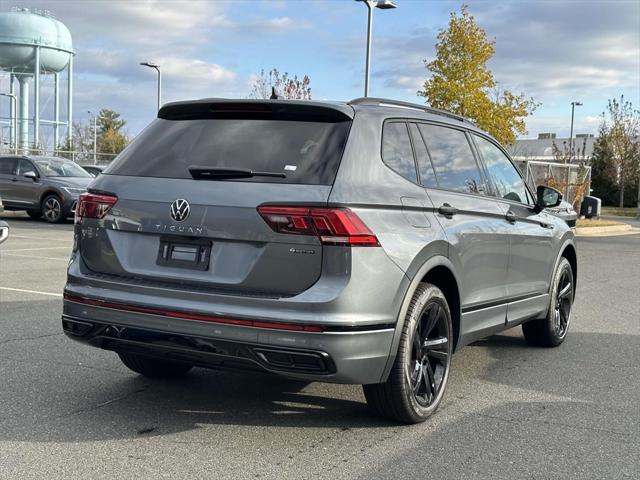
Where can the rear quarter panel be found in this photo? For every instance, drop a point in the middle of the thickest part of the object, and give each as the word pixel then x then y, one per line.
pixel 398 211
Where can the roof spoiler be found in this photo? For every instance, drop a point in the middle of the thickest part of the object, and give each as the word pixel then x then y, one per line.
pixel 300 110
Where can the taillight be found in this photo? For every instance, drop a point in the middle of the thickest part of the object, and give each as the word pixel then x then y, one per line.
pixel 91 205
pixel 333 226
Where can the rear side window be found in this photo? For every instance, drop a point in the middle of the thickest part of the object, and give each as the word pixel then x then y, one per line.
pixel 8 166
pixel 427 177
pixel 307 152
pixel 453 160
pixel 396 150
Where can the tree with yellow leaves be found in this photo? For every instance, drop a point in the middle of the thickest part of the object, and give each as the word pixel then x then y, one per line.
pixel 461 83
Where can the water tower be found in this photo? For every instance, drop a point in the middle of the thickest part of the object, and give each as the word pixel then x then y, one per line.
pixel 33 44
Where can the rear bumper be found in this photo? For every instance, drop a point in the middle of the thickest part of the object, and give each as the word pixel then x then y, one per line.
pixel 357 357
pixel 348 322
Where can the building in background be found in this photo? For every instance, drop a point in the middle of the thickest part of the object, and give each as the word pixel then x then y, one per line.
pixel 541 149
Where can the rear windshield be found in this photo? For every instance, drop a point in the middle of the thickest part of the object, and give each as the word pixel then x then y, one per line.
pixel 306 152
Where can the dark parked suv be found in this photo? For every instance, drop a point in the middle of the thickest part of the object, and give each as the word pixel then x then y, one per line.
pixel 359 242
pixel 46 187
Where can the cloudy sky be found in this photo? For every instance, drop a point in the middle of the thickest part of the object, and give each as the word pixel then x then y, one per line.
pixel 554 50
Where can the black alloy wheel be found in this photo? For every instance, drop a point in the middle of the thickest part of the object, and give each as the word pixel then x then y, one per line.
pixel 429 363
pixel 552 330
pixel 563 304
pixel 418 379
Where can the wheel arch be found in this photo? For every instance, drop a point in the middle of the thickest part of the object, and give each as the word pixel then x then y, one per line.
pixel 569 252
pixel 442 277
pixel 47 192
pixel 439 271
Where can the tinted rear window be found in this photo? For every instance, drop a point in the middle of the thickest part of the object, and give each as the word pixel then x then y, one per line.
pixel 427 177
pixel 452 158
pixel 306 152
pixel 396 150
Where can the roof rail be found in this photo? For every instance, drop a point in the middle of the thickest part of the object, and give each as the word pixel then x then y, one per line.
pixel 384 102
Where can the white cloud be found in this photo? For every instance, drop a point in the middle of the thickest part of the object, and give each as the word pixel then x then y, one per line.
pixel 197 74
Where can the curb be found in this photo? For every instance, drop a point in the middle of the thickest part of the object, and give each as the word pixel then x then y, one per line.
pixel 587 231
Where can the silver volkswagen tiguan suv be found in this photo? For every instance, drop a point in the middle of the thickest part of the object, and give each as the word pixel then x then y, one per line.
pixel 360 242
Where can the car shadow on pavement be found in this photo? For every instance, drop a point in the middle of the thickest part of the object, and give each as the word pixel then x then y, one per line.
pixel 108 402
pixel 55 390
pixel 566 412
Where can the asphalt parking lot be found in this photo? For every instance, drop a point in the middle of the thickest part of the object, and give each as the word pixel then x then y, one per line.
pixel 511 411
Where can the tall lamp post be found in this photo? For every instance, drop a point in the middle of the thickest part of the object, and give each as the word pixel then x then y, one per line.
pixel 156 67
pixel 14 134
pixel 573 107
pixel 95 138
pixel 383 5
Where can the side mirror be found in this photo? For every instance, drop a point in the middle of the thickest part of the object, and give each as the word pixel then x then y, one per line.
pixel 547 197
pixel 32 175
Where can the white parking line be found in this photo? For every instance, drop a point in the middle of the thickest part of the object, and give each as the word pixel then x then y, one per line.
pixel 31 291
pixel 35 257
pixel 40 238
pixel 36 248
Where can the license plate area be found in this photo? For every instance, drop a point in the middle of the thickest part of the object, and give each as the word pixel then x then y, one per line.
pixel 190 253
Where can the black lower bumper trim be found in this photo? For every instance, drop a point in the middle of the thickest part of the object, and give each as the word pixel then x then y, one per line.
pixel 200 351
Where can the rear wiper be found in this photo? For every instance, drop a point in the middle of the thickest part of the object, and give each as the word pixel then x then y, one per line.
pixel 221 173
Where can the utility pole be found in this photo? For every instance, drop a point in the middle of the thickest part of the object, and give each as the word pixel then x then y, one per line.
pixel 95 138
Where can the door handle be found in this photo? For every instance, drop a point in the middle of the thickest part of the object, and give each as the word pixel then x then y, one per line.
pixel 511 217
pixel 14 179
pixel 447 210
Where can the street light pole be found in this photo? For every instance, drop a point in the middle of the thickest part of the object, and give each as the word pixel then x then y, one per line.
pixel 156 67
pixel 573 107
pixel 367 70
pixel 383 5
pixel 14 102
pixel 95 138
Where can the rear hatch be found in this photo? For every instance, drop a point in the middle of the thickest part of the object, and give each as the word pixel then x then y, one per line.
pixel 188 188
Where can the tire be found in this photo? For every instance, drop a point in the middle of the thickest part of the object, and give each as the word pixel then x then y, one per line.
pixel 34 214
pixel 52 209
pixel 552 330
pixel 419 375
pixel 150 367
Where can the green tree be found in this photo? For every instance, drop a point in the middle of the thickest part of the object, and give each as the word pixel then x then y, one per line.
pixel 461 83
pixel 109 126
pixel 603 170
pixel 621 125
pixel 109 119
pixel 112 141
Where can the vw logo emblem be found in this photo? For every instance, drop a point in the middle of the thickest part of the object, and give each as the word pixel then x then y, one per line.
pixel 180 210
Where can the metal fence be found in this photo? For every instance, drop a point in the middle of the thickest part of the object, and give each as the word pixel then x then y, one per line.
pixel 574 181
pixel 82 158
